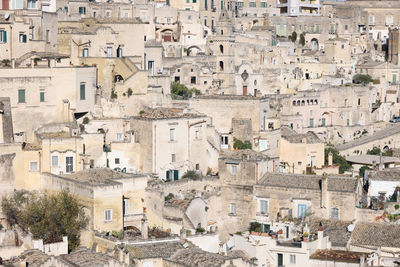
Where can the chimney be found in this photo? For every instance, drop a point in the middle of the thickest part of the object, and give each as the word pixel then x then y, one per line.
pixel 321 244
pixel 144 228
pixel 330 159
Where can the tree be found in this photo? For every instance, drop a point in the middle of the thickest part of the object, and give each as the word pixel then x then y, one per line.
pixel 181 91
pixel 302 40
pixel 362 170
pixel 293 37
pixel 362 79
pixel 48 217
pixel 337 159
pixel 374 151
pixel 239 144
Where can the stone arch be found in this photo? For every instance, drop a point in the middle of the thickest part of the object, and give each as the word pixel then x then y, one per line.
pixel 314 44
pixel 294 102
pixel 221 49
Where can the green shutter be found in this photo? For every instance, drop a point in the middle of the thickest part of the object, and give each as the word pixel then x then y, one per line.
pixel 4 37
pixel 21 96
pixel 41 96
pixel 83 91
pixel 24 38
pixel 176 175
pixel 167 174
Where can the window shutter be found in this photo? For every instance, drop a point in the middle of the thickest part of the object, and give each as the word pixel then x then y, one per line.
pixel 176 175
pixel 24 38
pixel 167 174
pixel 4 37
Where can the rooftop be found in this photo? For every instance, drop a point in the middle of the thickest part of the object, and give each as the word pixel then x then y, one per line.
pixel 335 229
pixel 195 257
pixel 337 255
pixel 84 257
pixel 98 176
pixel 242 155
pixel 391 174
pixel 376 235
pixel 293 137
pixel 228 97
pixel 155 249
pixel 371 159
pixel 311 182
pixel 166 113
pixel 388 131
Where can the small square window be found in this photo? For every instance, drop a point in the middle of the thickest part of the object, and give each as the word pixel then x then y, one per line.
pixel 33 166
pixel 54 161
pixel 232 208
pixel 42 97
pixel 292 259
pixel 233 169
pixel 119 136
pixel 108 215
pixel 171 134
pixel 116 160
pixel 173 158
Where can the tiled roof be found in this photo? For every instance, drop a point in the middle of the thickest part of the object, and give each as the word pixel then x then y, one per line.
pixel 342 184
pixel 390 174
pixel 335 229
pixel 370 159
pixel 293 137
pixel 336 255
pixel 376 235
pixel 247 154
pixel 195 257
pixel 34 258
pixel 166 113
pixel 84 257
pixel 154 249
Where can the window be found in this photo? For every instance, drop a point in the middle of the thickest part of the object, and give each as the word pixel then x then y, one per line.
pixel 3 36
pixel 221 66
pixel 346 27
pixel 47 36
pixel 224 141
pixel 21 96
pixel 54 161
pixel 389 20
pixel 196 134
pixel 311 122
pixel 252 4
pixel 197 166
pixel 66 9
pixel 205 4
pixel 171 134
pixel 371 20
pixel 263 206
pixel 82 92
pixel 194 1
pixel 301 210
pixel 173 158
pixel 359 101
pixel 82 10
pixel 334 213
pixel 109 51
pixel 239 4
pixel 232 208
pixel 342 46
pixel 69 164
pixel 85 52
pixel 263 4
pixel 323 122
pixel 31 4
pixel 42 97
pixel 150 66
pixel 33 166
pixel 233 169
pixel 108 215
pixel 193 80
pixel 221 49
pixel 108 14
pixel 205 21
pixel 117 161
pixel 22 38
pixel 292 259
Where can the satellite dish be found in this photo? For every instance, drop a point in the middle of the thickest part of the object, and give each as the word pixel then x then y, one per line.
pixel 7 16
pixel 350 228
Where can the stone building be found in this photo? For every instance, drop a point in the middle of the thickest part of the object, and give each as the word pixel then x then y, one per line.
pixel 171 142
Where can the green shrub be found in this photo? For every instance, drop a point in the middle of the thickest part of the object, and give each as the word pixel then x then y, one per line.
pixel 117 234
pixel 129 92
pixel 255 227
pixel 191 175
pixel 239 144
pixel 180 90
pixel 362 79
pixel 200 230
pixel 85 120
pixel 293 37
pixel 169 197
pixel 141 112
pixel 114 95
pixel 302 40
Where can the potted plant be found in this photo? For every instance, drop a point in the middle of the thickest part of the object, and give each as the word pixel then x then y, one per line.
pixel 280 232
pixel 305 236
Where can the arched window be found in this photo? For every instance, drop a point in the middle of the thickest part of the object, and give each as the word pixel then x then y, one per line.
pixel 221 66
pixel 303 103
pixel 221 49
pixel 294 102
pixel 298 102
